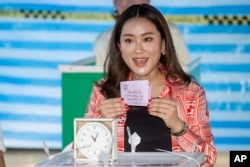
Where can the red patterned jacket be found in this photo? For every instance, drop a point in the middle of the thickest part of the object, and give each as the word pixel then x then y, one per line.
pixel 192 108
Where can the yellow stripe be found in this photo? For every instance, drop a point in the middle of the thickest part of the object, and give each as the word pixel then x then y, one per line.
pixel 200 19
pixel 89 16
pixel 186 19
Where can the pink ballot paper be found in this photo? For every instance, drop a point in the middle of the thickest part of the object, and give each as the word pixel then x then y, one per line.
pixel 136 93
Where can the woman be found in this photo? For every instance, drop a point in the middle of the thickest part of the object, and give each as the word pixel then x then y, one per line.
pixel 177 117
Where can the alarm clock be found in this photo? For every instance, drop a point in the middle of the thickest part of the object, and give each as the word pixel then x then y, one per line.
pixel 95 136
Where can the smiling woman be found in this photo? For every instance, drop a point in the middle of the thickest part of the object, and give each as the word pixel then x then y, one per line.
pixel 141 48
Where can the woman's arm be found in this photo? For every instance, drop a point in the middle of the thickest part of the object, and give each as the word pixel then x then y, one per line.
pixel 196 115
pixel 108 108
pixel 93 110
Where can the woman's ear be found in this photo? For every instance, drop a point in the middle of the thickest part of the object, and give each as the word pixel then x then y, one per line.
pixel 163 47
pixel 118 44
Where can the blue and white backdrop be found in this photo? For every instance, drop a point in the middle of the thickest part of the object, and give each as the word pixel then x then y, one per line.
pixel 38 35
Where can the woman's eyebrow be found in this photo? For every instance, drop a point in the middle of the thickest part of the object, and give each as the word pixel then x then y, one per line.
pixel 143 34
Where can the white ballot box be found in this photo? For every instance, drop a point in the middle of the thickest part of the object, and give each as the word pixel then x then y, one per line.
pixel 128 159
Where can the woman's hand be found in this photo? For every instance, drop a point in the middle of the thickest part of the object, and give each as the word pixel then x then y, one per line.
pixel 166 110
pixel 111 108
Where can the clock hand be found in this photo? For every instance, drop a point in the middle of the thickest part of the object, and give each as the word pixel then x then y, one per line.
pixel 96 136
pixel 86 146
pixel 93 138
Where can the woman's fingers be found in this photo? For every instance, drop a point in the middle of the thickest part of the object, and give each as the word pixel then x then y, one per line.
pixel 113 107
pixel 164 109
pixel 163 106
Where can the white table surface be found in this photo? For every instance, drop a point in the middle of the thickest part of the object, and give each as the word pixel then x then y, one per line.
pixel 127 159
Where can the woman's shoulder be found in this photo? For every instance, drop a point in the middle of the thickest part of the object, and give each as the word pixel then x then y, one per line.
pixel 98 84
pixel 101 80
pixel 178 85
pixel 194 86
pixel 193 89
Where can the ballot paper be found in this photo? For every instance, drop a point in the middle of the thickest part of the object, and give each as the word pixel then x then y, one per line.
pixel 136 93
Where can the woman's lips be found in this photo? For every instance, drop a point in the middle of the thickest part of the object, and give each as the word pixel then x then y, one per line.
pixel 140 61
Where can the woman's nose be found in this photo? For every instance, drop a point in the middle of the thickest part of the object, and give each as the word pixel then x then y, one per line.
pixel 138 47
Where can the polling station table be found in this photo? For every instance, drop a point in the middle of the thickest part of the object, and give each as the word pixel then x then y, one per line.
pixel 128 159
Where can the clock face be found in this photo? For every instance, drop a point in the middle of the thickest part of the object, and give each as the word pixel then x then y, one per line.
pixel 93 138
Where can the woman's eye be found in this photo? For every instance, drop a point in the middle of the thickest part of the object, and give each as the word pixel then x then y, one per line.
pixel 128 41
pixel 148 39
